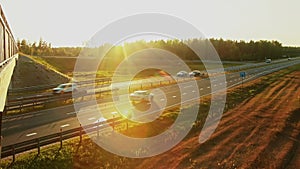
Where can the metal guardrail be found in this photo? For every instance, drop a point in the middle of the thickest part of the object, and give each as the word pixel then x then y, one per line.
pixel 58 137
pixel 6 61
pixel 45 87
pixel 31 101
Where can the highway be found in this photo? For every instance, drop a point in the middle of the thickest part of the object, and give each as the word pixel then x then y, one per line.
pixel 17 129
pixel 89 80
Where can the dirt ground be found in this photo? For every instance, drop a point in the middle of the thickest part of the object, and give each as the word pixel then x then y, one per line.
pixel 262 132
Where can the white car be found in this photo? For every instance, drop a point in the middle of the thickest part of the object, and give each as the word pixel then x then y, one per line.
pixel 268 61
pixel 141 95
pixel 65 88
pixel 182 74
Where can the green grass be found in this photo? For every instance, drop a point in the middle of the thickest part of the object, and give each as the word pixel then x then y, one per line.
pixel 89 155
pixel 66 65
pixel 62 65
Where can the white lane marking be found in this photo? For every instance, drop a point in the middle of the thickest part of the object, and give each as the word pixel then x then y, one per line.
pixel 162 99
pixel 114 113
pixel 193 91
pixel 174 96
pixel 183 93
pixel 71 113
pixel 31 134
pixel 92 118
pixel 65 125
pixel 187 86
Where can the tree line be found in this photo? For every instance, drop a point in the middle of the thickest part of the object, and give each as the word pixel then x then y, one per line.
pixel 42 48
pixel 227 49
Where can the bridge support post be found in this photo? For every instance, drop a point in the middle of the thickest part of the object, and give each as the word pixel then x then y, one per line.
pixel 39 147
pixel 0 134
pixel 14 154
pixel 98 130
pixel 1 138
pixel 113 123
pixel 60 138
pixel 80 134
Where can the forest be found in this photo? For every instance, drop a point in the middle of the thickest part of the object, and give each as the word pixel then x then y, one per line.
pixel 227 49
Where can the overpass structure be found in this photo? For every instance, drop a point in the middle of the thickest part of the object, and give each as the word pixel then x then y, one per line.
pixel 8 59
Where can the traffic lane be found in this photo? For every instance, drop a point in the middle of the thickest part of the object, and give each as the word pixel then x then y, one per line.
pixel 32 119
pixel 39 131
pixel 47 128
pixel 14 125
pixel 166 97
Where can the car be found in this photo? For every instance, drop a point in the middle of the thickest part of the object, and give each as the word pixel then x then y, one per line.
pixel 195 73
pixel 65 88
pixel 268 61
pixel 141 96
pixel 182 74
pixel 289 58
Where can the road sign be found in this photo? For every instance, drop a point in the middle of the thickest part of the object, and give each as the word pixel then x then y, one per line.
pixel 242 74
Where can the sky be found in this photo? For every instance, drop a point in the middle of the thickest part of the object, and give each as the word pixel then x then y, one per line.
pixel 73 22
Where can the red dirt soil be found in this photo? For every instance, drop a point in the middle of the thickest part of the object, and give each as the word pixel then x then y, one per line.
pixel 262 132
